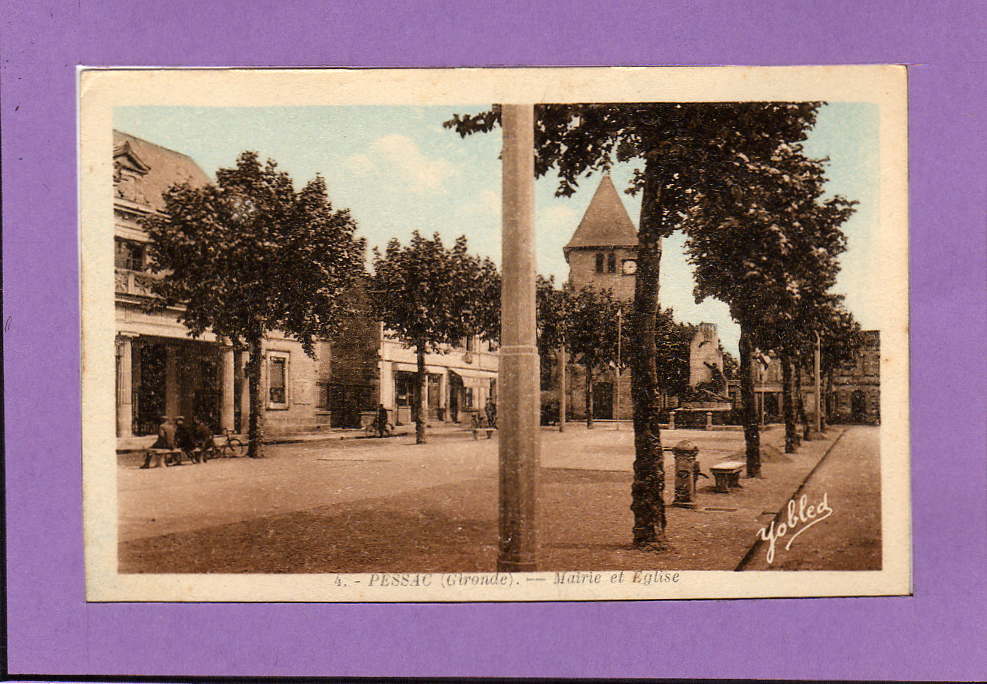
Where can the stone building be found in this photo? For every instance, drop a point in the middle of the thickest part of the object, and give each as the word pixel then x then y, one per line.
pixel 852 392
pixel 855 393
pixel 160 369
pixel 602 253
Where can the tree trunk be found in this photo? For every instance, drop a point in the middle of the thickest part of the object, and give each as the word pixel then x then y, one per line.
pixel 255 429
pixel 788 402
pixel 800 403
pixel 589 395
pixel 419 395
pixel 752 432
pixel 648 487
pixel 829 393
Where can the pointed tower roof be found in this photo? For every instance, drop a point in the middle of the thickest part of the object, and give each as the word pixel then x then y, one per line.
pixel 605 223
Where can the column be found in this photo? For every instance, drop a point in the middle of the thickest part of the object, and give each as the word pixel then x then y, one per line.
pixel 244 392
pixel 444 396
pixel 518 386
pixel 171 381
pixel 227 378
pixel 125 390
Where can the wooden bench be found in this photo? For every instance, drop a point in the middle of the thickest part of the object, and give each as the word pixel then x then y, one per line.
pixel 480 423
pixel 161 457
pixel 727 474
pixel 167 457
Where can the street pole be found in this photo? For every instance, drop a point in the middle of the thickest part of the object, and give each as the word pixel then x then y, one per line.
pixel 562 398
pixel 619 369
pixel 519 431
pixel 816 370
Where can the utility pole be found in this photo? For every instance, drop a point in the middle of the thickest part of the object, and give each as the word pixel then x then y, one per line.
pixel 519 373
pixel 563 361
pixel 620 311
pixel 816 370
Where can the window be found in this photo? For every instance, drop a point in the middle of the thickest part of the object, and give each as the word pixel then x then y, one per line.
pixel 611 263
pixel 324 393
pixel 471 343
pixel 277 380
pixel 404 388
pixel 599 263
pixel 129 255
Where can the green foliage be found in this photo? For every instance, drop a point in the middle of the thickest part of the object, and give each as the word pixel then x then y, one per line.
pixel 593 327
pixel 731 367
pixel 672 340
pixel 771 251
pixel 691 147
pixel 249 254
pixel 432 295
pixel 841 337
pixel 553 316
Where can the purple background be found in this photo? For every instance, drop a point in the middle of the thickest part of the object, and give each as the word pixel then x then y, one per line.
pixel 938 633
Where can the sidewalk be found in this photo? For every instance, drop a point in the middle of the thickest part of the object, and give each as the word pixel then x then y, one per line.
pixel 848 535
pixel 387 505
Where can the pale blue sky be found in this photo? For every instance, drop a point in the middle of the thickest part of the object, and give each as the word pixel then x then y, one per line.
pixel 398 170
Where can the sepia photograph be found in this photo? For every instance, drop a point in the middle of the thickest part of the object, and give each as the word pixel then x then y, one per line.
pixel 494 334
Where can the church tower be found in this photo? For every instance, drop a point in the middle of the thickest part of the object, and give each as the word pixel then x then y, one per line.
pixel 603 250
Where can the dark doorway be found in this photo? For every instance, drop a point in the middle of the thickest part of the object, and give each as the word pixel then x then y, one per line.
pixel 858 406
pixel 434 390
pixel 198 376
pixel 603 400
pixel 149 388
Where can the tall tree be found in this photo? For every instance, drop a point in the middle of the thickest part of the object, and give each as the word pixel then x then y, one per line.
pixel 681 152
pixel 768 249
pixel 249 255
pixel 430 297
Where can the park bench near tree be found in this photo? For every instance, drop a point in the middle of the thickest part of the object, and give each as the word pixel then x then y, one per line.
pixel 727 474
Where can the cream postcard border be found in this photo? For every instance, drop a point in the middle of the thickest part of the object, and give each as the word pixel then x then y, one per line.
pixel 100 90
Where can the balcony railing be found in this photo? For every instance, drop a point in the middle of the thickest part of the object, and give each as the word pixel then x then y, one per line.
pixel 132 282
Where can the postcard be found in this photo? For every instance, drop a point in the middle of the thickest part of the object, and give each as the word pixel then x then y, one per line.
pixel 447 335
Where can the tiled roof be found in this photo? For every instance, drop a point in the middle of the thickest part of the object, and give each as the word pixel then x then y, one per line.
pixel 605 223
pixel 164 167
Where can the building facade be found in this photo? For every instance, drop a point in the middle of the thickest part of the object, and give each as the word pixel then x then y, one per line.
pixel 854 390
pixel 160 369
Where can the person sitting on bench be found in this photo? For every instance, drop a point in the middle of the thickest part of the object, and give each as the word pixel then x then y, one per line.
pixel 184 438
pixel 202 438
pixel 165 442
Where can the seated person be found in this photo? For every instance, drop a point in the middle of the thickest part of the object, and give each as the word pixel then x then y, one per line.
pixel 165 442
pixel 203 439
pixel 184 437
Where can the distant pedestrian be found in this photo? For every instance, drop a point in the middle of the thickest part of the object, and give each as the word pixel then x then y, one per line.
pixel 491 411
pixel 381 421
pixel 165 441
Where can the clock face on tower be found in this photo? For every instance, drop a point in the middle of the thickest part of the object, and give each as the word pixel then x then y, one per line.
pixel 629 267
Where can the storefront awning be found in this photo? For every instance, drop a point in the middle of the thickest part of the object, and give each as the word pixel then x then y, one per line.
pixel 472 378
